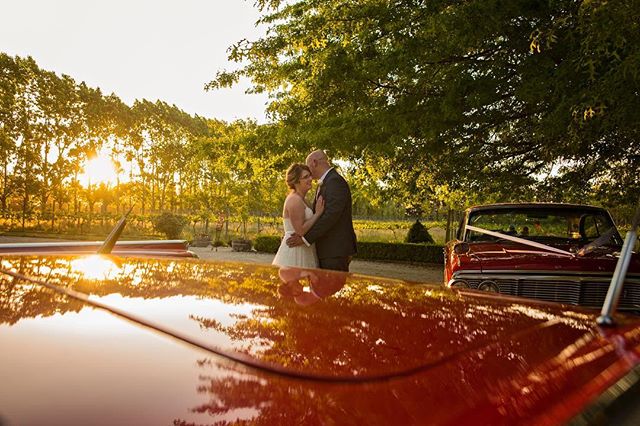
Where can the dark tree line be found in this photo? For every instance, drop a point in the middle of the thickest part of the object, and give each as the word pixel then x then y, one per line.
pixel 482 100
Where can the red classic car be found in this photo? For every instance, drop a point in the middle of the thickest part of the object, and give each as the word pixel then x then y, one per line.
pixel 554 252
pixel 107 340
pixel 103 340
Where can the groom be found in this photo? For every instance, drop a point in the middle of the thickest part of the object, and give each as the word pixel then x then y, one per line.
pixel 333 232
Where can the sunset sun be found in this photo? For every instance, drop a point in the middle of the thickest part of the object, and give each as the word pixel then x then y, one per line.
pixel 97 170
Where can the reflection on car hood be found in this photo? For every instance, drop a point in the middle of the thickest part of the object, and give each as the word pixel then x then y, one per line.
pixel 517 256
pixel 477 350
pixel 368 327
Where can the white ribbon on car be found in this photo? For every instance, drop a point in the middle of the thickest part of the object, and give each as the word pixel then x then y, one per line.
pixel 519 240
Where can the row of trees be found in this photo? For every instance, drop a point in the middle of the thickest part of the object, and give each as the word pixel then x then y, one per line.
pixel 429 104
pixel 165 159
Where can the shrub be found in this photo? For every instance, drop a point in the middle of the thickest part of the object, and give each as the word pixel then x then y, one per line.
pixel 169 224
pixel 419 234
pixel 267 243
pixel 399 252
pixel 391 252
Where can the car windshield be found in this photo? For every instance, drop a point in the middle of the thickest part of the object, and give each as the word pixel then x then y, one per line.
pixel 547 225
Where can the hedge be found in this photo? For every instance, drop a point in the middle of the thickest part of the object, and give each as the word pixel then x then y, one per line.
pixel 418 233
pixel 391 252
pixel 400 252
pixel 267 243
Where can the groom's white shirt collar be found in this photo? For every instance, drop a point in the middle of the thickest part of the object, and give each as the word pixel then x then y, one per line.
pixel 324 175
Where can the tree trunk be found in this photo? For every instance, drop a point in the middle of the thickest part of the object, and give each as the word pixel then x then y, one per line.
pixel 117 191
pixel 5 176
pixel 53 215
pixel 143 186
pixel 143 196
pixel 131 185
pixel 226 226
pixel 153 190
pixel 162 194
pixel 76 200
pixel 25 202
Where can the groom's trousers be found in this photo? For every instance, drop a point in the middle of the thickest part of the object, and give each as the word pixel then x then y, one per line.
pixel 335 263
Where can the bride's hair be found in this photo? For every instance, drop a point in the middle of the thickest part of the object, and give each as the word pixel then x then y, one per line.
pixel 294 173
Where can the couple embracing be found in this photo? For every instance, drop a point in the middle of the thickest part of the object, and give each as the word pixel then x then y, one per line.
pixel 320 235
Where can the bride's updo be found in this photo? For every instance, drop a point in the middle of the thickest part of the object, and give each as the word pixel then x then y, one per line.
pixel 294 173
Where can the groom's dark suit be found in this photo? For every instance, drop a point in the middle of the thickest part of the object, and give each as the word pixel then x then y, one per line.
pixel 333 232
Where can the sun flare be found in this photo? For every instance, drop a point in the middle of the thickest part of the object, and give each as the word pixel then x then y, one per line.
pixel 96 267
pixel 97 170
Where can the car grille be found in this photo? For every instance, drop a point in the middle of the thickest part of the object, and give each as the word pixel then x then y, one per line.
pixel 576 291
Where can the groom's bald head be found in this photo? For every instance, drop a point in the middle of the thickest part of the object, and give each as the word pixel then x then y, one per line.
pixel 318 163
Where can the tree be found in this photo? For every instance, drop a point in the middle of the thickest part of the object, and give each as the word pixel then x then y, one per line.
pixel 169 224
pixel 10 82
pixel 473 93
pixel 419 234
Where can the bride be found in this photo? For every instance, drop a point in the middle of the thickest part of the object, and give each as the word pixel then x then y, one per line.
pixel 298 218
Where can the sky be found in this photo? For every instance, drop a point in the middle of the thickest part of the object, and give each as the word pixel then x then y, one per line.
pixel 140 49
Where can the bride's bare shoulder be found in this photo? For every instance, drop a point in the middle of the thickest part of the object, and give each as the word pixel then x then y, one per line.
pixel 294 201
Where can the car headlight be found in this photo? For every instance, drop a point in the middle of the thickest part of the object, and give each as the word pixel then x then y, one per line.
pixel 489 286
pixel 459 284
pixel 461 248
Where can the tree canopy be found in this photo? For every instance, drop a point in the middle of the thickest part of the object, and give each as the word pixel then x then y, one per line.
pixel 437 103
pixel 484 96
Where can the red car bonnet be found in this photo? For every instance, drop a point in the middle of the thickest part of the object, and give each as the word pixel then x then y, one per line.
pixel 415 353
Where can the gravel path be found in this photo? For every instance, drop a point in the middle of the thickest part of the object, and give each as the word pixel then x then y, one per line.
pixel 423 273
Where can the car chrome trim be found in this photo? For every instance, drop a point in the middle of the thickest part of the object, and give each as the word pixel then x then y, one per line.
pixel 87 243
pixel 542 274
pixel 465 284
pixel 484 285
pixel 573 288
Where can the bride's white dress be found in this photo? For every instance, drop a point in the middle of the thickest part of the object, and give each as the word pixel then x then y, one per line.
pixel 302 256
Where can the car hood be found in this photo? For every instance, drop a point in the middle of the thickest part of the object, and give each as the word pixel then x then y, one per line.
pixel 362 327
pixel 263 325
pixel 153 248
pixel 493 256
